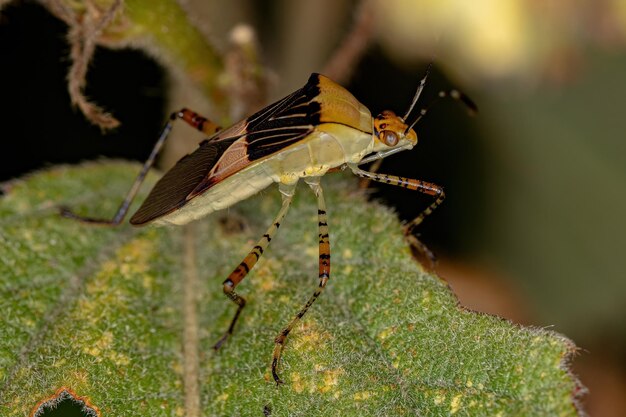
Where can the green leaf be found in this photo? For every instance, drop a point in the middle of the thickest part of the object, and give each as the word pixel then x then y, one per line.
pixel 126 317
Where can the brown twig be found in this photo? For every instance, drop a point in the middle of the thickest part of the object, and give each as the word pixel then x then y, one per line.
pixel 83 36
pixel 341 64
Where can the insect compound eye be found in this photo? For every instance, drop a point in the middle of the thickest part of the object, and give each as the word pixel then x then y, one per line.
pixel 388 137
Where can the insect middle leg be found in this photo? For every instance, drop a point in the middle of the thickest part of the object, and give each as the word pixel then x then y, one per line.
pixel 324 274
pixel 193 119
pixel 417 185
pixel 240 272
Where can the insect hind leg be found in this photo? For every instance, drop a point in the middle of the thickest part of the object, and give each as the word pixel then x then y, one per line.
pixel 324 274
pixel 240 272
pixel 193 119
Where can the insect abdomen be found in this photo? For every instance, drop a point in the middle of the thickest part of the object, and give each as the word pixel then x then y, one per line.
pixel 222 195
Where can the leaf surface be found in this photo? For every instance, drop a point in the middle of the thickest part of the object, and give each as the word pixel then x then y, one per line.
pixel 127 317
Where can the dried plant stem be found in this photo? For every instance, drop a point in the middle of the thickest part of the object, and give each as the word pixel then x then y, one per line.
pixel 83 35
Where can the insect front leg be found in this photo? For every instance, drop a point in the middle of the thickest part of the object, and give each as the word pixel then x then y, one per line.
pixel 417 185
pixel 193 119
pixel 324 273
pixel 240 272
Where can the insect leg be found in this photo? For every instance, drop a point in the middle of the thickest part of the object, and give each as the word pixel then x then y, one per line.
pixel 417 185
pixel 196 121
pixel 190 118
pixel 240 272
pixel 324 273
pixel 365 182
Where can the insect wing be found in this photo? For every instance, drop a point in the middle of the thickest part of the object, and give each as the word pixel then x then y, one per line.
pixel 263 134
pixel 172 189
pixel 285 123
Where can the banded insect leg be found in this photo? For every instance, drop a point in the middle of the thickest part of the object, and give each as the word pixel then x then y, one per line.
pixel 196 121
pixel 200 123
pixel 324 274
pixel 417 185
pixel 240 272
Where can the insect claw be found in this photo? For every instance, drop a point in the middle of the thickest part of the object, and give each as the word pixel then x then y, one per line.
pixel 277 379
pixel 65 211
pixel 220 342
pixel 420 250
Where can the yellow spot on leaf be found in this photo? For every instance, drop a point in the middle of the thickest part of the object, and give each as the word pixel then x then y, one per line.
pixel 455 404
pixel 296 381
pixel 18 401
pixel 223 397
pixel 267 266
pixel 312 251
pixel 147 281
pixel 268 285
pixel 310 337
pixel 28 322
pixel 118 358
pixel 362 395
pixel 59 363
pixel 331 379
pixel 177 367
pixel 439 399
pixel 384 334
pixel 265 274
pixel 101 344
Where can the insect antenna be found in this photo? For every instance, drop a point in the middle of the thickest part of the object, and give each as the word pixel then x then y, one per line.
pixel 420 88
pixel 453 94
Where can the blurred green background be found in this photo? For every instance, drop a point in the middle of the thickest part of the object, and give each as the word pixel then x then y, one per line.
pixel 534 226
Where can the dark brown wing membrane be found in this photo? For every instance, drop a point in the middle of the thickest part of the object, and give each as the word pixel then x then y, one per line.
pixel 284 123
pixel 173 188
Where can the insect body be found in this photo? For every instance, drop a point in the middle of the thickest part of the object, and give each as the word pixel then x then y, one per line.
pixel 318 128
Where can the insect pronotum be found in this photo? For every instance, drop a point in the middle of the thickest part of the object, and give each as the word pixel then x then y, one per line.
pixel 319 128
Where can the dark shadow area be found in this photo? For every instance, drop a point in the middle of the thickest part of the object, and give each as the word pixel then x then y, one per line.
pixel 66 408
pixel 39 125
pixel 449 152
